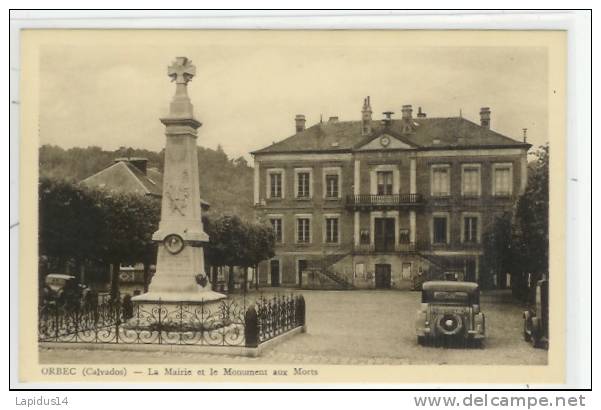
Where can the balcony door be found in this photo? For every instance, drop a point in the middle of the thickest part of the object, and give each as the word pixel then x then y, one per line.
pixel 384 229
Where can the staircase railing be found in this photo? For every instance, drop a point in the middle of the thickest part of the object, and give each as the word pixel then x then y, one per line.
pixel 436 272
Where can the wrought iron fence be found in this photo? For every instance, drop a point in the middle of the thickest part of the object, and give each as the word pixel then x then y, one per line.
pixel 229 322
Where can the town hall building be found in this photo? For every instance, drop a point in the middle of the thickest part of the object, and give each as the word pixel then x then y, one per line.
pixel 384 204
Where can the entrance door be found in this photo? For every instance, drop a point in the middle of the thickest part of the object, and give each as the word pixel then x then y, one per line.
pixel 302 266
pixel 382 276
pixel 470 270
pixel 384 234
pixel 275 272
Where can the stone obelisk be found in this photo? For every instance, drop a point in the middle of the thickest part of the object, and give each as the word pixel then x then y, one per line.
pixel 180 272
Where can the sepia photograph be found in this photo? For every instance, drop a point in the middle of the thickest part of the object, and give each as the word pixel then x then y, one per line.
pixel 258 201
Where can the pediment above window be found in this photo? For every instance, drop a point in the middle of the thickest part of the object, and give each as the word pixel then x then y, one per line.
pixel 384 142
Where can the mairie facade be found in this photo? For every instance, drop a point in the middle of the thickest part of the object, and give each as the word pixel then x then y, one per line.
pixel 384 204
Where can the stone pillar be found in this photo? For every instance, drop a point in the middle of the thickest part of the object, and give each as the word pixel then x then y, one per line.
pixel 357 230
pixel 357 191
pixel 524 171
pixel 412 226
pixel 412 176
pixel 412 190
pixel 180 275
pixel 256 191
pixel 357 181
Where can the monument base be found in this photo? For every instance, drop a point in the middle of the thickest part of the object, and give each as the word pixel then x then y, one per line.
pixel 178 311
pixel 192 298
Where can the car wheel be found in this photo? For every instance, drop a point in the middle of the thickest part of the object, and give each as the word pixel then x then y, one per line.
pixel 535 341
pixel 527 331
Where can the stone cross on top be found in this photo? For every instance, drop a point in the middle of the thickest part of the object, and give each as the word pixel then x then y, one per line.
pixel 181 70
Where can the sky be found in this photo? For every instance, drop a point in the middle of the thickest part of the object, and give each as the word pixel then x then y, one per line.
pixel 250 85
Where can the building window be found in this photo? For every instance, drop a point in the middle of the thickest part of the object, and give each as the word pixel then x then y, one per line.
pixel 439 229
pixel 441 185
pixel 384 179
pixel 502 180
pixel 303 230
pixel 364 237
pixel 404 236
pixel 470 229
pixel 331 230
pixel 332 189
pixel 304 181
pixel 276 225
pixel 470 184
pixel 275 185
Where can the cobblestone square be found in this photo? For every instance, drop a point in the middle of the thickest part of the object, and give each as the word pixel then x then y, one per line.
pixel 356 327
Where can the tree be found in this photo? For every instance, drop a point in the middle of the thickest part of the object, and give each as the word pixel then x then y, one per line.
pixel 530 240
pixel 129 221
pixel 86 225
pixel 70 221
pixel 262 246
pixel 233 242
pixel 497 251
pixel 227 244
pixel 259 245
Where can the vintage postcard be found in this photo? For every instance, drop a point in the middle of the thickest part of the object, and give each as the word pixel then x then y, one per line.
pixel 295 206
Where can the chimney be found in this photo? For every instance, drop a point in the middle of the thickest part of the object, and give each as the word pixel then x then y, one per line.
pixel 525 131
pixel 138 162
pixel 300 122
pixel 333 119
pixel 407 110
pixel 420 114
pixel 407 124
pixel 386 121
pixel 485 117
pixel 366 117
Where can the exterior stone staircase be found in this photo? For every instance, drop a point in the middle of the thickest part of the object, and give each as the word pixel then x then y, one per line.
pixel 436 272
pixel 324 267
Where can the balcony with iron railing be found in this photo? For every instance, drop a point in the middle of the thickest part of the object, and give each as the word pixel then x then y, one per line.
pixel 367 201
pixel 410 247
pixel 387 248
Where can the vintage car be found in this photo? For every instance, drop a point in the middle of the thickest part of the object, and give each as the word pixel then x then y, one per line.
pixel 63 290
pixel 450 310
pixel 536 318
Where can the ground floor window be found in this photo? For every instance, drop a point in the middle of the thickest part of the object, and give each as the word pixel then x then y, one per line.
pixel 275 272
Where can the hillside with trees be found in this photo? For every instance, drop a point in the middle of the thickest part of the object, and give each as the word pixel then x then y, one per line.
pixel 225 183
